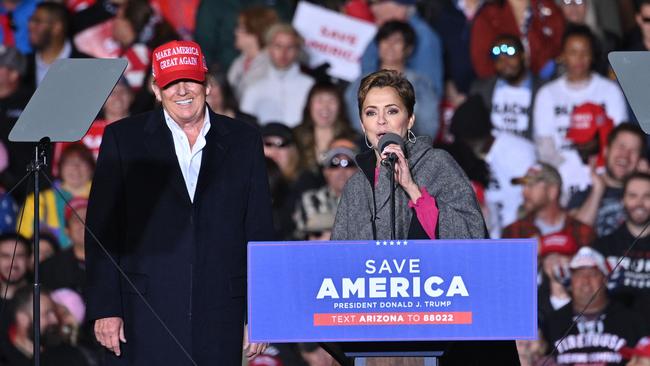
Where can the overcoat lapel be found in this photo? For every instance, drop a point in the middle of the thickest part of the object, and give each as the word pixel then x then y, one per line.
pixel 214 153
pixel 160 144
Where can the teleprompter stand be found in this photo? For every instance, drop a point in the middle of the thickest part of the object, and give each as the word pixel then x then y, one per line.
pixel 61 110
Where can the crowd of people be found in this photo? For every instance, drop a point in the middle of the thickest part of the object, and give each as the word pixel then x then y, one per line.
pixel 518 92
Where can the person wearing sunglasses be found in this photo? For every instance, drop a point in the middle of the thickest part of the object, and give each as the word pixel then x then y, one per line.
pixel 280 146
pixel 316 209
pixel 510 93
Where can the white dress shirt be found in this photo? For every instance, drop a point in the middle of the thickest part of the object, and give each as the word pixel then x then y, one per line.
pixel 189 158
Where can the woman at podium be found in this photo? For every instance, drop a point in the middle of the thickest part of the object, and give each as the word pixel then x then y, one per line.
pixel 433 197
pixel 433 200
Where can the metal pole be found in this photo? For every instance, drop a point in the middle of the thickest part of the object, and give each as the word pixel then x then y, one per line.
pixel 37 285
pixel 40 161
pixel 392 200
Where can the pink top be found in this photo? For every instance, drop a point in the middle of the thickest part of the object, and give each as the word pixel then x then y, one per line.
pixel 425 209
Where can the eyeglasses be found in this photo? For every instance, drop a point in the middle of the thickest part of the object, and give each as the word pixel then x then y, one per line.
pixel 337 162
pixel 277 143
pixel 503 49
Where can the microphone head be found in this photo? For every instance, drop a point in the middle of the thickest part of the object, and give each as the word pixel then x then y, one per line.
pixel 390 138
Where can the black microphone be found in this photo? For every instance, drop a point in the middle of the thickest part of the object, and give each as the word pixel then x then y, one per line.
pixel 388 139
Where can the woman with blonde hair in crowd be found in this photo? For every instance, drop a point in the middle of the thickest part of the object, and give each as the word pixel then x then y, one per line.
pixel 253 62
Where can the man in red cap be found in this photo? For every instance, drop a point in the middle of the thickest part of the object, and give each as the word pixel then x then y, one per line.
pixel 590 126
pixel 600 205
pixel 177 194
pixel 559 234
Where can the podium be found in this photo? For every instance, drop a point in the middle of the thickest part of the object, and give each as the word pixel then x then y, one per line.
pixel 401 298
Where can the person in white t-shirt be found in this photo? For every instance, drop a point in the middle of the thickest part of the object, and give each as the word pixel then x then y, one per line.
pixel 507 156
pixel 509 95
pixel 556 100
pixel 282 93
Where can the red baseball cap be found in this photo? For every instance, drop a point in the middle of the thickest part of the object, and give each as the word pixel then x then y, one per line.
pixel 559 242
pixel 586 120
pixel 178 60
pixel 642 349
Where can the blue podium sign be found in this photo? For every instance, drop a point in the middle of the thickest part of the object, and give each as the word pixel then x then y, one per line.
pixel 392 291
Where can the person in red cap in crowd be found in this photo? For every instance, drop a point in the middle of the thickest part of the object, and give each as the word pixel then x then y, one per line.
pixel 559 234
pixel 177 194
pixel 602 325
pixel 473 131
pixel 600 204
pixel 588 131
pixel 556 100
pixel 67 268
pixel 555 252
pixel 639 355
pixel 631 282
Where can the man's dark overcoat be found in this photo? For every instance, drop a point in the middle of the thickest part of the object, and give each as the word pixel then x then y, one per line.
pixel 187 259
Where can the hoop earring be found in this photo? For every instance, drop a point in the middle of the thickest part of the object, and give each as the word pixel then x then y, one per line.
pixel 367 142
pixel 411 136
